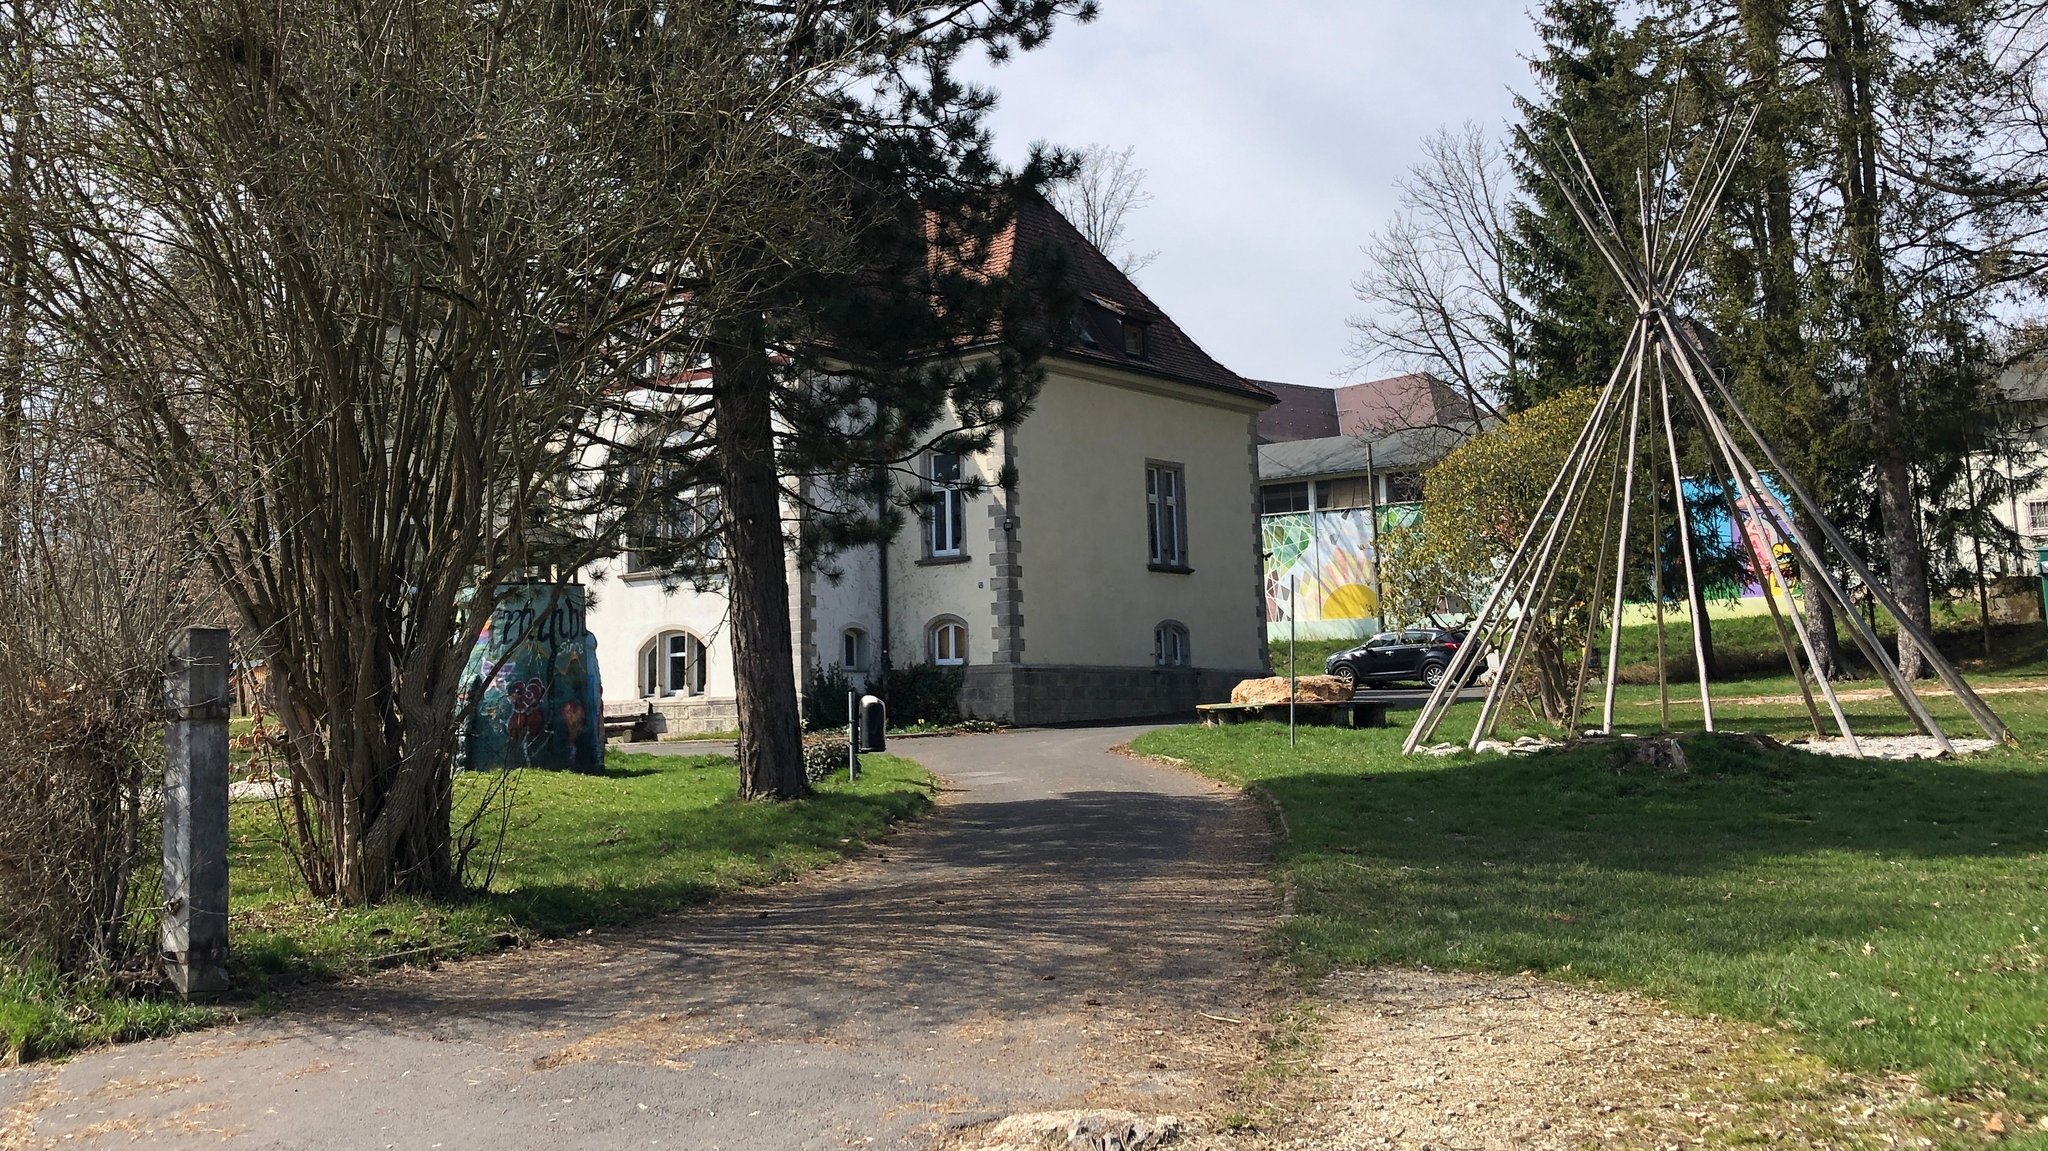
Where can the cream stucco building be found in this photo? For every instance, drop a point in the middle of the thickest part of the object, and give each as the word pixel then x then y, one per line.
pixel 1118 577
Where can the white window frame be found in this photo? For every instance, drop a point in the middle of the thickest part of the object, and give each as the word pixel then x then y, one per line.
pixel 2037 517
pixel 694 514
pixel 946 642
pixel 1166 515
pixel 672 665
pixel 853 649
pixel 1171 646
pixel 946 523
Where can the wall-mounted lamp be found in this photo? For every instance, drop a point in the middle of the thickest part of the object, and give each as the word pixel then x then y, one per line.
pixel 1009 523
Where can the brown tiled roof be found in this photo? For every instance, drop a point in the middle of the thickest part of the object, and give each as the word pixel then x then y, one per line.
pixel 1416 400
pixel 1107 298
pixel 1372 408
pixel 1305 412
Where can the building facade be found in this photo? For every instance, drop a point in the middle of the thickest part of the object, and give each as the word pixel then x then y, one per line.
pixel 1338 467
pixel 1117 577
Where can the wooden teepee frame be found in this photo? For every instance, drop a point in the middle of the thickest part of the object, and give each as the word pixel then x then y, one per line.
pixel 1662 357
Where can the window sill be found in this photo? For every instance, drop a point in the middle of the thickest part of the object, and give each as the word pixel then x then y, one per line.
pixel 942 561
pixel 705 578
pixel 1171 569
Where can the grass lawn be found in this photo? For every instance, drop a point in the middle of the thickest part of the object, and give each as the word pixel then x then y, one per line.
pixel 654 834
pixel 1894 917
pixel 1748 645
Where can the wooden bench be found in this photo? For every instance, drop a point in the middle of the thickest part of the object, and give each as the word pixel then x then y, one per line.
pixel 630 721
pixel 1351 713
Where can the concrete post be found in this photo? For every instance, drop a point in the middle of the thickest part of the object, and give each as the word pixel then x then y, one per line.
pixel 195 930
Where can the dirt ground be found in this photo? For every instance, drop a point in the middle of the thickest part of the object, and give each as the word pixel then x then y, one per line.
pixel 1402 1058
pixel 1072 931
pixel 1421 1060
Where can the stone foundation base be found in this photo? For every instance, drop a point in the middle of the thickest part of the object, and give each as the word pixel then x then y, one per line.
pixel 1043 694
pixel 694 716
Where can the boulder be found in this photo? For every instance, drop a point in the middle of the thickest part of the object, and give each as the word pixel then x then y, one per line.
pixel 1308 689
pixel 1083 1131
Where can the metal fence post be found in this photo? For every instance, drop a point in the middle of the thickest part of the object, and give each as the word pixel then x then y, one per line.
pixel 195 877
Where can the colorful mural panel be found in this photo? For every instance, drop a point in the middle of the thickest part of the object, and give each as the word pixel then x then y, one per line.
pixel 534 679
pixel 1326 559
pixel 1758 521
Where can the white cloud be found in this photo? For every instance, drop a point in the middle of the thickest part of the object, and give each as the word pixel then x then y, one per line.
pixel 1273 134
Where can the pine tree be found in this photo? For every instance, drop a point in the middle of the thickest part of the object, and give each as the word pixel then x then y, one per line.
pixel 1598 87
pixel 857 332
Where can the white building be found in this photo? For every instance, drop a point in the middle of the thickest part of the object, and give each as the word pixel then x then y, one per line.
pixel 1119 578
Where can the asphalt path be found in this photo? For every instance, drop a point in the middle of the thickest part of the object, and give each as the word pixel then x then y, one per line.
pixel 1071 928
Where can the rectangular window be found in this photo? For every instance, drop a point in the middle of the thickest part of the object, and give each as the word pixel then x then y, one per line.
pixel 684 528
pixel 1280 499
pixel 1404 488
pixel 1166 515
pixel 2037 517
pixel 946 527
pixel 1337 495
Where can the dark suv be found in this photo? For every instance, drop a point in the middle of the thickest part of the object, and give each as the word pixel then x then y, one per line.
pixel 1416 653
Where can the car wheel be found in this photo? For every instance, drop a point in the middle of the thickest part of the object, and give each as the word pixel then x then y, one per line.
pixel 1348 674
pixel 1433 674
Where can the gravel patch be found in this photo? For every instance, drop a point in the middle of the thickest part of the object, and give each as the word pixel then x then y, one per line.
pixel 1412 1059
pixel 1893 747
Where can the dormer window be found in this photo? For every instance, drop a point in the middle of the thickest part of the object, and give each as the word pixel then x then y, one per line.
pixel 1078 325
pixel 1134 337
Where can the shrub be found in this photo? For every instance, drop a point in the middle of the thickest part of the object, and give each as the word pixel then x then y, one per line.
pixel 824 753
pixel 86 601
pixel 825 700
pixel 923 693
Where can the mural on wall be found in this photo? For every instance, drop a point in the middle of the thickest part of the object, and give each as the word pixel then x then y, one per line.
pixel 1782 575
pixel 1328 556
pixel 534 677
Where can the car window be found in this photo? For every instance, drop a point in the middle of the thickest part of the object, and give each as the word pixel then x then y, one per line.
pixel 1417 636
pixel 1384 639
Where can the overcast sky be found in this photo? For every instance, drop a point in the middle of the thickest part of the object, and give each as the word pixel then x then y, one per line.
pixel 1272 134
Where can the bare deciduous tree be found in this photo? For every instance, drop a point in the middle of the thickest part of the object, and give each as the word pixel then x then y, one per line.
pixel 360 276
pixel 385 296
pixel 1106 187
pixel 1437 295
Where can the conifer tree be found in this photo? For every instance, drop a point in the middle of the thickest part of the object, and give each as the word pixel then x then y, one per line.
pixel 1599 80
pixel 840 341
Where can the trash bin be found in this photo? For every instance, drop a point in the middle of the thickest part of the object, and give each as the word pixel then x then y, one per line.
pixel 874 724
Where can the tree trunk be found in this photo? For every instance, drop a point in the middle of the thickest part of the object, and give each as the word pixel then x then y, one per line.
pixel 1699 610
pixel 771 736
pixel 1820 613
pixel 1902 544
pixel 14 330
pixel 1850 55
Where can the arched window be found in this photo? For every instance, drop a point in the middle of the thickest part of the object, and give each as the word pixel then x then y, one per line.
pixel 672 663
pixel 948 645
pixel 853 649
pixel 1170 645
